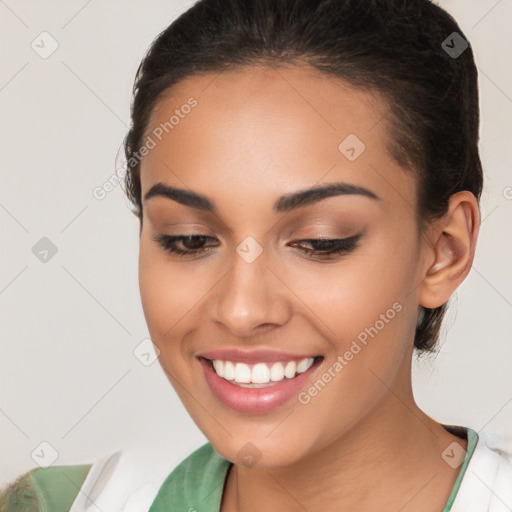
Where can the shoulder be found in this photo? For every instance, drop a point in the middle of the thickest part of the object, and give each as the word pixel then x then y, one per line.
pixel 487 482
pixel 44 489
pixel 197 480
pixel 134 478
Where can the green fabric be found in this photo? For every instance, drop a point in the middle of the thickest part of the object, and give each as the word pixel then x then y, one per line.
pixel 472 438
pixel 51 489
pixel 195 485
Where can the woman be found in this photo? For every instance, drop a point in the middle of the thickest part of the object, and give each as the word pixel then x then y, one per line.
pixel 306 176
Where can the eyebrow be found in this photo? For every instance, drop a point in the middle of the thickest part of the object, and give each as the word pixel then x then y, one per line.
pixel 285 203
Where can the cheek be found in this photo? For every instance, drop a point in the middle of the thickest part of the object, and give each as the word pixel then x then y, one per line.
pixel 364 308
pixel 163 293
pixel 369 340
pixel 352 295
pixel 172 294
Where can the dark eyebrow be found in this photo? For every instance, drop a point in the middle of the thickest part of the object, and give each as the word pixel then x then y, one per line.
pixel 309 196
pixel 284 203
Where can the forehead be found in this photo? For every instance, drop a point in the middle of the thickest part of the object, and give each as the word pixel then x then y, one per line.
pixel 268 131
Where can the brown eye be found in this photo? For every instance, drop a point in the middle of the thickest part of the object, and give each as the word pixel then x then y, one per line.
pixel 325 247
pixel 193 244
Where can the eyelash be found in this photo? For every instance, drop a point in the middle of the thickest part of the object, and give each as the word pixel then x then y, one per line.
pixel 341 245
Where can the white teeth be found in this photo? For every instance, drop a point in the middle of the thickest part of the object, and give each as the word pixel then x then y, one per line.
pixel 290 369
pixel 229 370
pixel 304 365
pixel 277 372
pixel 219 367
pixel 260 373
pixel 242 373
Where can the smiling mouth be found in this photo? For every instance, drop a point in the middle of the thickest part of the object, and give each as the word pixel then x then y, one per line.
pixel 260 374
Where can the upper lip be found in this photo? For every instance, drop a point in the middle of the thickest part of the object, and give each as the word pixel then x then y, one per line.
pixel 253 356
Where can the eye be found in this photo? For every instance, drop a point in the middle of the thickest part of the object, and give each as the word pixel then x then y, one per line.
pixel 193 245
pixel 326 247
pixel 193 242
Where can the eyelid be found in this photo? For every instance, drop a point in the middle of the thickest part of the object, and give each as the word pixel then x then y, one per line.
pixel 295 235
pixel 336 227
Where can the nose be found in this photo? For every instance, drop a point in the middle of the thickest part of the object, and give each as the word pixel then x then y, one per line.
pixel 251 299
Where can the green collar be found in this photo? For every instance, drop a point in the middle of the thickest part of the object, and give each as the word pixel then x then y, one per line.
pixel 472 438
pixel 195 485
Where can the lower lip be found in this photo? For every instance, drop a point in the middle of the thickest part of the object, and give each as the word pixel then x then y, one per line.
pixel 255 400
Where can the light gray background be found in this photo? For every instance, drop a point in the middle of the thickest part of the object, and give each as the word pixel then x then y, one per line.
pixel 69 326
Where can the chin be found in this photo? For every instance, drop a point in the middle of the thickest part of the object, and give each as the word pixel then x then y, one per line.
pixel 259 452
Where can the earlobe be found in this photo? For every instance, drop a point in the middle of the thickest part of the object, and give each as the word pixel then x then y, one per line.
pixel 453 245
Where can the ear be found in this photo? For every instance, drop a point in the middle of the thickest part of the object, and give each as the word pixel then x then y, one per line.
pixel 451 249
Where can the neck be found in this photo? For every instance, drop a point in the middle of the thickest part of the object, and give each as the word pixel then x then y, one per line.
pixel 389 461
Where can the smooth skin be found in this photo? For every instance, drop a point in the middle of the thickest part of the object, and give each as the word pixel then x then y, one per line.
pixel 257 133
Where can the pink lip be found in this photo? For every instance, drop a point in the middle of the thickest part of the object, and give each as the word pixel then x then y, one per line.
pixel 255 400
pixel 253 356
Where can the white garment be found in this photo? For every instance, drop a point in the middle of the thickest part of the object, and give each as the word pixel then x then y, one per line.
pixel 129 480
pixel 487 482
pixel 124 481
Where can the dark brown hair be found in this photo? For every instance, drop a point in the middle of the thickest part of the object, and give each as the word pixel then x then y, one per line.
pixel 399 48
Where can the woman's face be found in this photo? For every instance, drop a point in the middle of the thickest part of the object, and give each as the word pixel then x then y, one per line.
pixel 246 142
